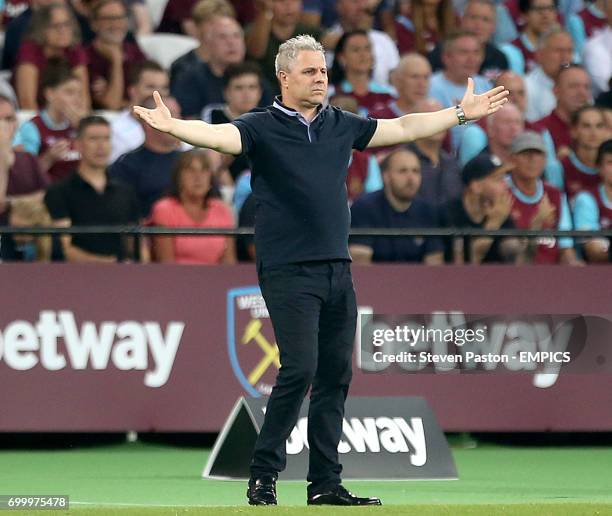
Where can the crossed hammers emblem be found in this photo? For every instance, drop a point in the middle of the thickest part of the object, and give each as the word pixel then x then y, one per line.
pixel 253 332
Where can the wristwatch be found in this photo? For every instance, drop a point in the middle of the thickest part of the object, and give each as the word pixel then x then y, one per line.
pixel 460 115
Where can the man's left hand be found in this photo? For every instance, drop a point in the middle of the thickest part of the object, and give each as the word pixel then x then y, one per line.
pixel 477 106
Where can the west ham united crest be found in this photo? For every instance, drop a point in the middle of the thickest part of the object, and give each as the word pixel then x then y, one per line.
pixel 251 346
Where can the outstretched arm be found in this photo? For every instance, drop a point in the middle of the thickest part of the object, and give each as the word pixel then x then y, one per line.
pixel 420 125
pixel 222 138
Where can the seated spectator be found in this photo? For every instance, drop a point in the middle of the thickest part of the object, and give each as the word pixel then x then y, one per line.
pixel 356 15
pixel 148 169
pixel 242 92
pixel 351 73
pixel 276 22
pixel 54 35
pixel 593 207
pixel 579 169
pixel 420 25
pixel 88 197
pixel 572 91
pixel 200 86
pixel 586 22
pixel 485 203
pixel 411 82
pixel 127 131
pixel 440 178
pixel 479 19
pixel 51 134
pixel 462 56
pixel 111 56
pixel 190 203
pixel 204 13
pixel 554 53
pixel 500 129
pixel 395 206
pixel 28 248
pixel 597 55
pixel 540 18
pixel 21 179
pixel 538 205
pixel 322 13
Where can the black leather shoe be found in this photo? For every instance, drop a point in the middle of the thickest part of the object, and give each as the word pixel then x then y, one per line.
pixel 340 496
pixel 262 491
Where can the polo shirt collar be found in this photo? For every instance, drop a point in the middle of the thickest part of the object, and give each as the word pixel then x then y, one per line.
pixel 579 165
pixel 527 199
pixel 278 104
pixel 44 115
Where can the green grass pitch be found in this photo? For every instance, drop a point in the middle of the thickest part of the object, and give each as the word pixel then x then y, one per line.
pixel 145 479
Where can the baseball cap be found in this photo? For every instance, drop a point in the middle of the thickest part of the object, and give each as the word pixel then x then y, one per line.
pixel 480 167
pixel 528 140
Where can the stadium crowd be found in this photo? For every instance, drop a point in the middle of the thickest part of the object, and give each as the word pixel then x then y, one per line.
pixel 73 153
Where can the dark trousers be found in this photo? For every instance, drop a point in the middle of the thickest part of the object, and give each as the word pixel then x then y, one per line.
pixel 313 311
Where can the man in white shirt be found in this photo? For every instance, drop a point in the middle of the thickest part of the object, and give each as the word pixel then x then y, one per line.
pixel 126 130
pixel 598 55
pixel 355 15
pixel 556 49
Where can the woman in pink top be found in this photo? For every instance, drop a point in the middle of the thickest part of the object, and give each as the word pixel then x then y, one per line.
pixel 53 36
pixel 190 204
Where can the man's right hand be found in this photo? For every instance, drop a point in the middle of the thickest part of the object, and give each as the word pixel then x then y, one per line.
pixel 498 211
pixel 158 118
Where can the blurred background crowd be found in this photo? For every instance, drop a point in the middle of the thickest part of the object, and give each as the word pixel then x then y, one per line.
pixel 73 154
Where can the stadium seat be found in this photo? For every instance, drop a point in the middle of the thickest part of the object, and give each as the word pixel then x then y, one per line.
pixel 156 10
pixel 165 48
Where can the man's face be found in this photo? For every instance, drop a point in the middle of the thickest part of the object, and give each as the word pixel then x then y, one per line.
pixel 306 82
pixel 65 95
pixel 287 12
pixel 529 164
pixel 353 14
pixel 402 178
pixel 60 30
pixel 491 187
pixel 591 130
pixel 243 93
pixel 541 17
pixel 95 145
pixel 605 169
pixel 8 117
pixel 573 89
pixel 557 51
pixel 412 80
pixel 225 41
pixel 150 81
pixel 505 125
pixel 515 85
pixel 479 18
pixel 463 58
pixel 111 23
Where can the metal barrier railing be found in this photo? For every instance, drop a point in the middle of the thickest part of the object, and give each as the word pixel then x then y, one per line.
pixel 136 230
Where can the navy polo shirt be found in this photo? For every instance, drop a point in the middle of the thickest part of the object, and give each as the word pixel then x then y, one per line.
pixel 374 211
pixel 298 180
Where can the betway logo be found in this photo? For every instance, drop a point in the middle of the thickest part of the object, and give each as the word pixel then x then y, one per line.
pixel 126 344
pixel 373 435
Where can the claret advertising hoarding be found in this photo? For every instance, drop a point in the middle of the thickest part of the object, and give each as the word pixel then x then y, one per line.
pixel 171 348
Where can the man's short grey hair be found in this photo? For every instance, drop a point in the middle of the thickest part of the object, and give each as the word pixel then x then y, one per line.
pixel 288 51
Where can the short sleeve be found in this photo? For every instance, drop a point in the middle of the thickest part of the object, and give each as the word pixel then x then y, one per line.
pixel 586 212
pixel 28 136
pixel 29 52
pixel 248 124
pixel 56 202
pixel 362 129
pixel 161 213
